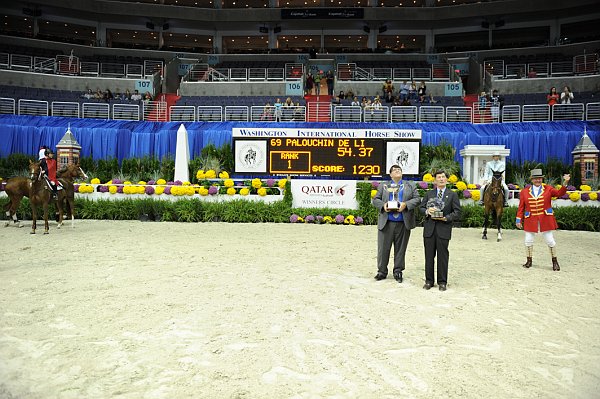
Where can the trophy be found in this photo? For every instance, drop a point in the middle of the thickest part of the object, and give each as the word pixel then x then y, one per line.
pixel 437 205
pixel 394 203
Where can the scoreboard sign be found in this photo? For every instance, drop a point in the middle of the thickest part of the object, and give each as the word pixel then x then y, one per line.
pixel 329 152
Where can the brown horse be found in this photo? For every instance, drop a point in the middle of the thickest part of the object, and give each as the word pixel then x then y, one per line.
pixel 18 187
pixel 493 203
pixel 39 194
pixel 66 175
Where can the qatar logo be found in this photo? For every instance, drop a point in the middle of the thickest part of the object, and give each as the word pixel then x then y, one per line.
pixel 340 190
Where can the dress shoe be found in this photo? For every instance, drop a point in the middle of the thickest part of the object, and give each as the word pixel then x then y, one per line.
pixel 442 287
pixel 380 276
pixel 398 277
pixel 427 286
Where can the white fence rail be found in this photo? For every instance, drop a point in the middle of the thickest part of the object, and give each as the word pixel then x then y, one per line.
pixel 65 109
pixel 33 107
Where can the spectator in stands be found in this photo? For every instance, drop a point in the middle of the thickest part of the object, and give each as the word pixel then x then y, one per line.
pixel 108 95
pixel 422 92
pixel 388 88
pixel 532 73
pixel 364 102
pixel 147 97
pixel 342 95
pixel 310 83
pixel 118 95
pixel 278 105
pixel 329 78
pixel 99 95
pixel 496 104
pixel 88 95
pixel 355 102
pixel 412 91
pixel 336 101
pixel 267 114
pixel 298 114
pixel 288 102
pixel 396 102
pixel 313 52
pixel 404 88
pixel 483 100
pixel 566 96
pixel 318 83
pixel 553 97
pixel 136 96
pixel 349 93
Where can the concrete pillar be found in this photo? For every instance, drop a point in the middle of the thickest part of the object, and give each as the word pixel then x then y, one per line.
pixel 554 38
pixel 429 41
pixel 101 35
pixel 218 43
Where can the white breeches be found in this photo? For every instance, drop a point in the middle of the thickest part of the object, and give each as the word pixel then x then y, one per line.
pixel 548 237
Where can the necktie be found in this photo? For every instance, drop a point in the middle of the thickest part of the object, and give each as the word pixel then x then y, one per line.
pixel 439 194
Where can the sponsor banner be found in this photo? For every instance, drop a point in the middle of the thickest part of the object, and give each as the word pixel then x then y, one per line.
pixel 324 194
pixel 407 134
pixel 251 156
pixel 405 154
pixel 322 13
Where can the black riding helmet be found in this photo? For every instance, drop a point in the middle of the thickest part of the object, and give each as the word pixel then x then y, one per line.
pixel 48 152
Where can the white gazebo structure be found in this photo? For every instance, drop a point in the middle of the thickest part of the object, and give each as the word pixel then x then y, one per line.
pixel 476 156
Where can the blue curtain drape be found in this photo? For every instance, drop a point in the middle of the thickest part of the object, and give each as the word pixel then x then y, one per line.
pixel 101 139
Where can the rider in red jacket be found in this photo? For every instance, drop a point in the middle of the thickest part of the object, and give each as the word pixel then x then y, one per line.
pixel 48 165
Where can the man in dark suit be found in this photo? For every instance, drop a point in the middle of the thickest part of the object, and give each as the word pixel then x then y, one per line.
pixel 437 229
pixel 394 225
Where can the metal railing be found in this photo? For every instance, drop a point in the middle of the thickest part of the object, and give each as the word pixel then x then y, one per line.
pixel 126 112
pixel 236 113
pixel 210 113
pixel 154 111
pixel 33 107
pixel 403 114
pixel 350 113
pixel 65 109
pixel 584 64
pixel 157 111
pixel 182 113
pixel 95 111
pixel 459 114
pixel 7 106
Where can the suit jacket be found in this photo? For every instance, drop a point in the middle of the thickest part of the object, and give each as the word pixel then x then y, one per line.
pixel 410 196
pixel 451 210
pixel 538 209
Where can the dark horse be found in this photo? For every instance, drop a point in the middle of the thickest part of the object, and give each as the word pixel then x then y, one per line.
pixel 39 194
pixel 493 203
pixel 18 187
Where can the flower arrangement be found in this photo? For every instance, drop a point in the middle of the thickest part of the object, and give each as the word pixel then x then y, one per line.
pixel 574 196
pixel 319 219
pixel 475 195
pixel 428 178
pixel 461 186
pixel 452 179
pixel 585 187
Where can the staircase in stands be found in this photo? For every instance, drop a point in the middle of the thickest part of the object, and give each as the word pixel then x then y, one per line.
pixel 318 108
pixel 162 105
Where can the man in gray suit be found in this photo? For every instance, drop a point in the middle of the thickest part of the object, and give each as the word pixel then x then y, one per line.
pixel 437 229
pixel 394 225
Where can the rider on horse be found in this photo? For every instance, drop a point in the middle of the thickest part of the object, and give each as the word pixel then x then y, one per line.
pixel 495 166
pixel 48 165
